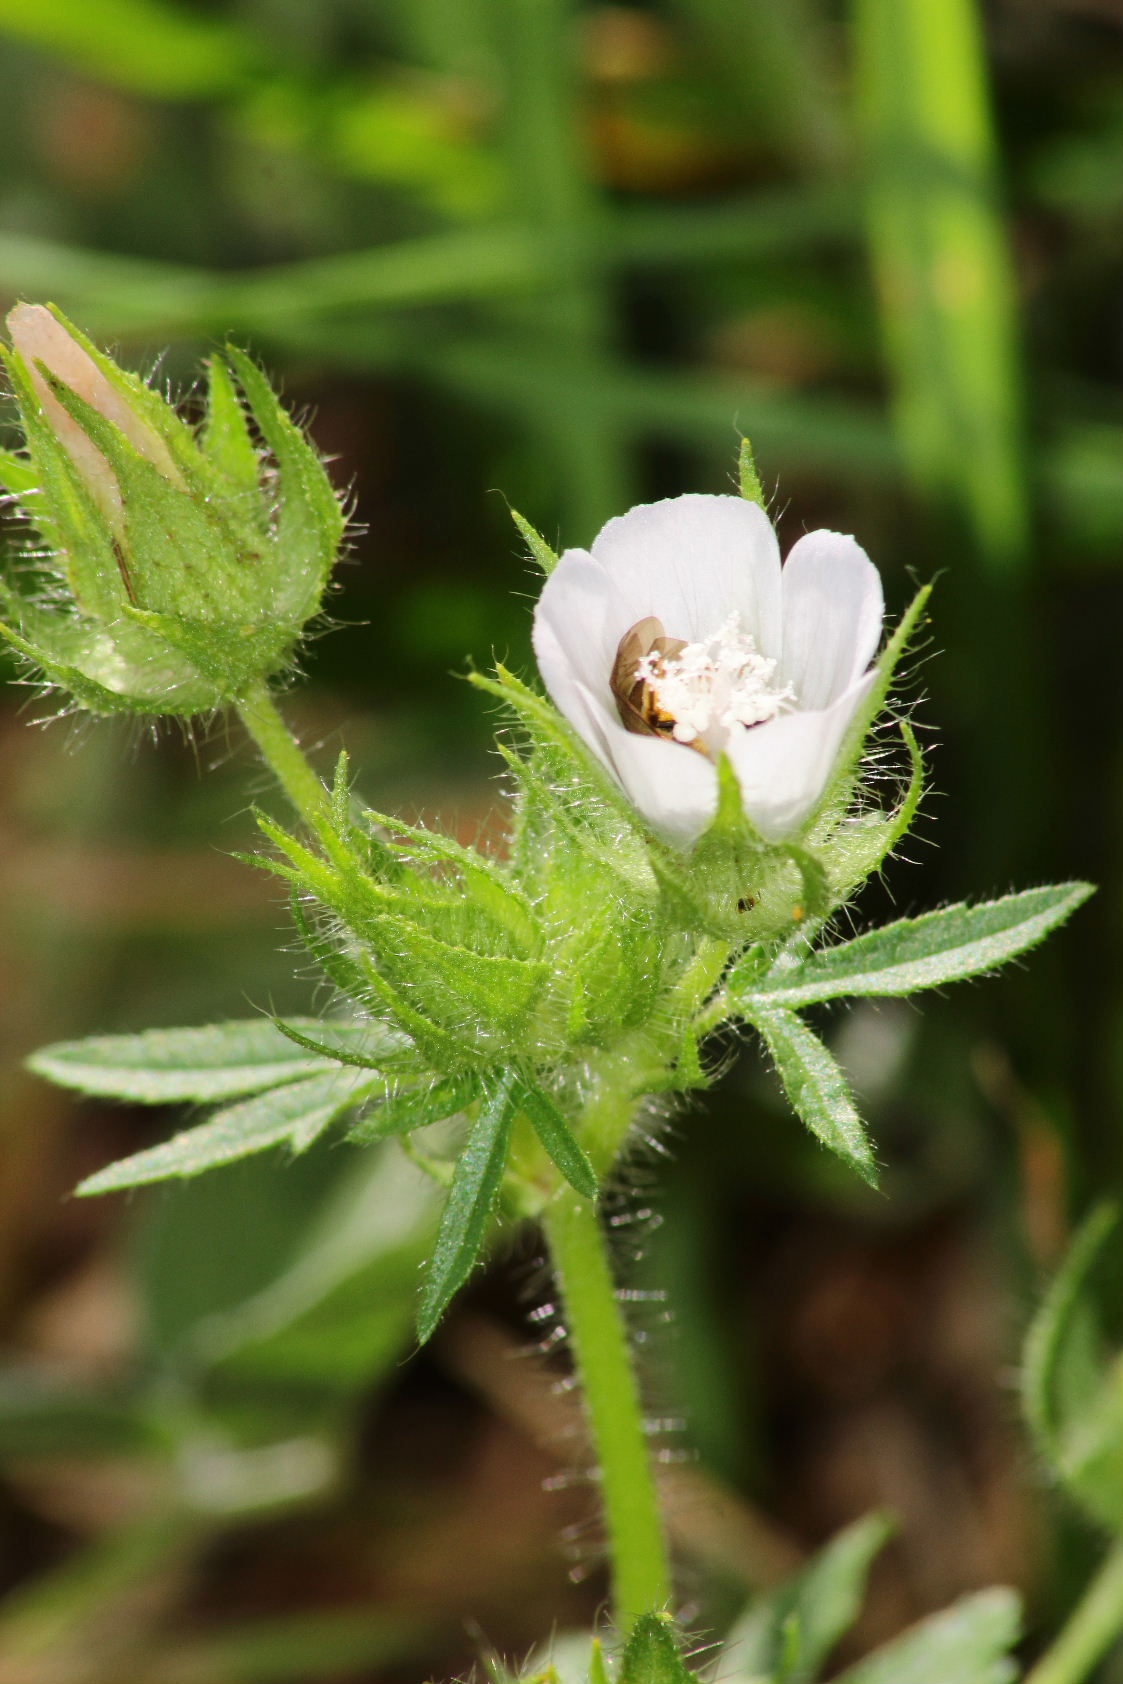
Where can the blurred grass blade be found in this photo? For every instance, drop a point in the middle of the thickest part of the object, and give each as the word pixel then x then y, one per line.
pixel 773 61
pixel 572 312
pixel 941 262
pixel 149 47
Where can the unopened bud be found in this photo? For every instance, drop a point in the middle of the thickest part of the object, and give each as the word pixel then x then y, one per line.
pixel 190 563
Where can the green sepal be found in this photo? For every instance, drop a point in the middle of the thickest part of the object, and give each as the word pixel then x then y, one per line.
pixel 557 1137
pixel 405 1109
pixel 854 849
pixel 841 788
pixel 747 477
pixel 594 830
pixel 470 995
pixel 540 551
pixel 598 1670
pixel 64 509
pixel 94 650
pixel 309 522
pixel 471 1200
pixel 226 659
pixel 225 435
pixel 184 557
pixel 651 1654
pixel 815 1085
pixel 483 881
pixel 547 728
pixel 336 963
pixel 443 1050
pixel 394 1051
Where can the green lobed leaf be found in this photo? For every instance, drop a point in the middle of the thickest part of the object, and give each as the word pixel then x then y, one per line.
pixel 464 1220
pixel 926 952
pixel 1071 1391
pixel 968 1643
pixel 815 1085
pixel 294 1115
pixel 218 1061
pixel 558 1138
pixel 790 1632
pixel 651 1655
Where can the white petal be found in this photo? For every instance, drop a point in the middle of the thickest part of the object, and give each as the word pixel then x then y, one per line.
pixel 833 609
pixel 568 694
pixel 580 618
pixel 694 560
pixel 784 767
pixel 675 788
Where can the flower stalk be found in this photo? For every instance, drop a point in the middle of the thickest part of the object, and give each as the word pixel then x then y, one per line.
pixel 282 753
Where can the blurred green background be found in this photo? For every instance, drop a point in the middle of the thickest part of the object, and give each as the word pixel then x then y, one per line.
pixel 558 254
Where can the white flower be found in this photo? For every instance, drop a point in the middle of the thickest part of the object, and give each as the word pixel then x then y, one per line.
pixel 680 637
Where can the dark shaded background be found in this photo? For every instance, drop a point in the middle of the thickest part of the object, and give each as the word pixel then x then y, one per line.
pixel 558 254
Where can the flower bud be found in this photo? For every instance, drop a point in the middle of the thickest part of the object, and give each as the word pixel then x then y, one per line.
pixel 178 564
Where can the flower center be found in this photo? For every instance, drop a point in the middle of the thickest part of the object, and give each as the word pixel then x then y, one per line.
pixel 694 693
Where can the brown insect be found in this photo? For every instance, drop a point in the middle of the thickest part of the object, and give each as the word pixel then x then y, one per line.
pixel 636 700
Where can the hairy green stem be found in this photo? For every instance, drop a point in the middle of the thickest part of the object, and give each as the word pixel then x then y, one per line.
pixel 282 753
pixel 1096 1621
pixel 602 1354
pixel 602 1357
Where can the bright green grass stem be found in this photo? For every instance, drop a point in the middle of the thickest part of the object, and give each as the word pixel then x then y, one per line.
pixel 599 1342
